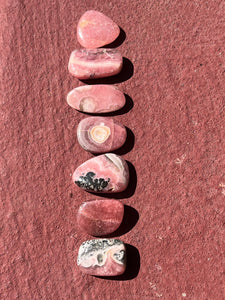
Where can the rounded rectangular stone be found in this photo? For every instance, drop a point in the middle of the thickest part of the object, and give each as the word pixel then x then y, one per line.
pixel 95 63
pixel 102 257
pixel 100 217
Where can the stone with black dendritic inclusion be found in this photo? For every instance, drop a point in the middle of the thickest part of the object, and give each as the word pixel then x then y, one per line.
pixel 102 257
pixel 104 173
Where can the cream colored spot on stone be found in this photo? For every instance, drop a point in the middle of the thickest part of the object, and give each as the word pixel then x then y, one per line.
pixel 100 133
pixel 184 294
pixel 87 104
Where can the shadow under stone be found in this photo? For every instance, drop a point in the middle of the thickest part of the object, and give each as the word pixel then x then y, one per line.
pixel 118 41
pixel 130 219
pixel 133 265
pixel 125 74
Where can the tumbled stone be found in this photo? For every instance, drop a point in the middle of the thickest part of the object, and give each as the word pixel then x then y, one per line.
pixel 100 134
pixel 95 30
pixel 95 63
pixel 100 217
pixel 99 98
pixel 102 257
pixel 107 173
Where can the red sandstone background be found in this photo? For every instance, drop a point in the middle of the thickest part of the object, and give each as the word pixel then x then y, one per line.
pixel 174 75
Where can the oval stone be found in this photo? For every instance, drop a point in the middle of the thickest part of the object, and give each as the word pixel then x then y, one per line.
pixel 102 257
pixel 100 134
pixel 107 173
pixel 100 217
pixel 95 63
pixel 99 98
pixel 95 30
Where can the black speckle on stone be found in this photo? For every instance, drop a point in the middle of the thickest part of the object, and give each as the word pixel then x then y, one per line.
pixel 88 183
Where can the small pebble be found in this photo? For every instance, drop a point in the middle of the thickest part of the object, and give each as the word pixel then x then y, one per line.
pixel 95 63
pixel 99 98
pixel 100 134
pixel 100 217
pixel 106 173
pixel 95 30
pixel 102 257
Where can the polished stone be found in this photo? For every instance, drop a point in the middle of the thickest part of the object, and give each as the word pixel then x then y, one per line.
pixel 100 217
pixel 100 134
pixel 107 173
pixel 102 257
pixel 99 98
pixel 95 30
pixel 95 63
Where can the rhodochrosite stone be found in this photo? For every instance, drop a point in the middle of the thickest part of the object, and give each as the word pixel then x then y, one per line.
pixel 95 63
pixel 102 257
pixel 100 217
pixel 95 30
pixel 100 134
pixel 104 173
pixel 100 98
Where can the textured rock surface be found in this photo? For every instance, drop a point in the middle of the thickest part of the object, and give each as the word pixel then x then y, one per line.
pixel 104 173
pixel 95 30
pixel 95 63
pixel 100 217
pixel 177 49
pixel 99 98
pixel 102 257
pixel 100 134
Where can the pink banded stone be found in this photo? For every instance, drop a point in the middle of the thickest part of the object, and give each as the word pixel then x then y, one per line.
pixel 107 173
pixel 100 134
pixel 100 98
pixel 95 63
pixel 102 257
pixel 100 217
pixel 95 30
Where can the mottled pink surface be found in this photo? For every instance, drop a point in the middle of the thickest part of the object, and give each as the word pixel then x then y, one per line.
pixel 95 63
pixel 177 88
pixel 100 217
pixel 115 139
pixel 95 29
pixel 99 98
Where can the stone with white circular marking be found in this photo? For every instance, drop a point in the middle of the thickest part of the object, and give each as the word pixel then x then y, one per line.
pixel 95 63
pixel 100 134
pixel 99 98
pixel 102 257
pixel 95 30
pixel 107 173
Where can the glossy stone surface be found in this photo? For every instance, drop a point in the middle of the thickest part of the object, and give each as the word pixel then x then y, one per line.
pixel 100 217
pixel 99 98
pixel 100 134
pixel 107 173
pixel 95 63
pixel 95 30
pixel 102 257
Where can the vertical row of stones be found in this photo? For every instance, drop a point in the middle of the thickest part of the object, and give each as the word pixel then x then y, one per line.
pixel 106 173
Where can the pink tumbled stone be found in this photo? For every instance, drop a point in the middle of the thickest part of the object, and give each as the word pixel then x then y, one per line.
pixel 95 30
pixel 107 173
pixel 102 257
pixel 95 63
pixel 100 217
pixel 99 98
pixel 100 134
